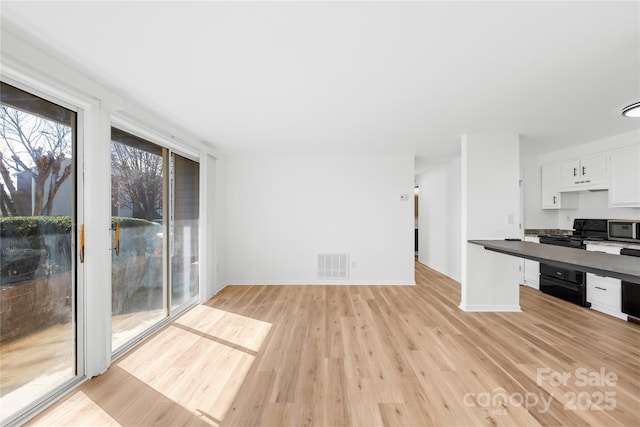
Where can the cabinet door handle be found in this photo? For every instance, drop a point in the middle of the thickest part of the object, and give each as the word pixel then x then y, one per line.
pixel 575 171
pixel 602 289
pixel 554 200
pixel 584 170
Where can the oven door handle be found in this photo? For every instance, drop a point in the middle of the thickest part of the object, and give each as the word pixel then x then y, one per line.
pixel 570 286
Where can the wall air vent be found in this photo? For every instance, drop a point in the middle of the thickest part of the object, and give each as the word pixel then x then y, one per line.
pixel 333 266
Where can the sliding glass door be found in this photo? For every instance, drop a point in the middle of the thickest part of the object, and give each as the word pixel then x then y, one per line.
pixel 138 276
pixel 155 210
pixel 155 246
pixel 38 290
pixel 184 231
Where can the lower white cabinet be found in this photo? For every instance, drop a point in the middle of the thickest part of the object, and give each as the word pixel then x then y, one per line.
pixel 605 295
pixel 532 268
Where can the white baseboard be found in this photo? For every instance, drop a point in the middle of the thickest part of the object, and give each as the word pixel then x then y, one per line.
pixel 439 271
pixel 490 308
pixel 320 283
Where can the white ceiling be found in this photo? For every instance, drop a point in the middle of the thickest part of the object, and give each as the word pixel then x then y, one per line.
pixel 358 77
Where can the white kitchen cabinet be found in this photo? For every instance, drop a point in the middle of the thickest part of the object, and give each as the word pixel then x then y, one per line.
pixel 569 173
pixel 532 268
pixel 550 197
pixel 586 173
pixel 624 187
pixel 605 293
pixel 594 169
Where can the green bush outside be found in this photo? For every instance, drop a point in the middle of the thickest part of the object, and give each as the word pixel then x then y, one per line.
pixel 37 246
pixel 24 226
pixel 126 222
pixel 34 246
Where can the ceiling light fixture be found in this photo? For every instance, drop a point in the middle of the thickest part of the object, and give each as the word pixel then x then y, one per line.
pixel 632 110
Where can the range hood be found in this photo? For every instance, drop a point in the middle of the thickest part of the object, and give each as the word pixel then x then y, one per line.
pixel 584 190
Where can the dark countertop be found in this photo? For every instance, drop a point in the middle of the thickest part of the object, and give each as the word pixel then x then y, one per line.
pixel 619 266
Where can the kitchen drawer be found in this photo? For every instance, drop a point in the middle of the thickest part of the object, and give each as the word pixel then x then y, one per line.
pixel 604 291
pixel 609 249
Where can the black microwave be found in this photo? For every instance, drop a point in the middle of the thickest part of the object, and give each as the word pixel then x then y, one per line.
pixel 625 230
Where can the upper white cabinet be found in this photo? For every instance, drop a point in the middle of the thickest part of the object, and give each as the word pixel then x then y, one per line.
pixel 617 171
pixel 624 190
pixel 550 196
pixel 586 173
pixel 595 170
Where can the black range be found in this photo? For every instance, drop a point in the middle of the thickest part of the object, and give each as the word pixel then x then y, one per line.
pixel 567 284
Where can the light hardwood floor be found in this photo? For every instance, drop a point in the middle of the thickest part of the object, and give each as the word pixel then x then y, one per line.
pixel 369 355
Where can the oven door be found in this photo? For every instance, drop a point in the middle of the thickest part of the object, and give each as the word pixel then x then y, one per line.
pixel 568 291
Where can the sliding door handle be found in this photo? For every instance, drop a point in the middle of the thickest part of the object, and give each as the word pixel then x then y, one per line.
pixel 82 244
pixel 117 246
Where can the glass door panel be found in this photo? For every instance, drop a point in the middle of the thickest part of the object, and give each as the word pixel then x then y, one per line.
pixel 138 272
pixel 184 225
pixel 38 346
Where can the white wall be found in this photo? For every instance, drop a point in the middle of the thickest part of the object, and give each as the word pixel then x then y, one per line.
pixel 593 147
pixel 490 210
pixel 213 214
pixel 439 219
pixel 533 216
pixel 284 210
pixel 590 204
pixel 595 205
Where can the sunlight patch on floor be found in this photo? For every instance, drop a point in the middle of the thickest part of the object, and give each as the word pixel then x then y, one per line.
pixel 200 360
pixel 125 327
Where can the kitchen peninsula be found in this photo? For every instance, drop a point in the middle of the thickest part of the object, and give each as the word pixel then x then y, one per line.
pixel 617 266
